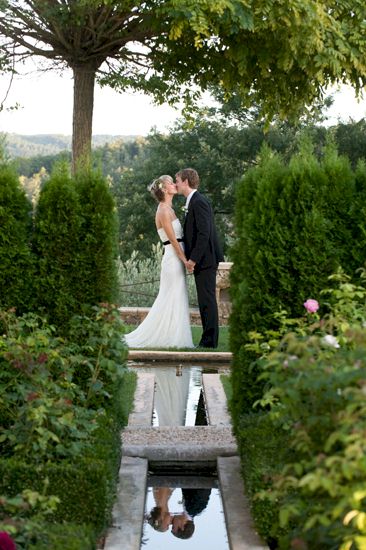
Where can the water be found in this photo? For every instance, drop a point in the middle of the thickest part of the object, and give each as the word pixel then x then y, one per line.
pixel 209 523
pixel 178 397
pixel 182 504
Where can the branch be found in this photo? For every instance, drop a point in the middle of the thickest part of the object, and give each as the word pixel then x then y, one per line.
pixel 10 83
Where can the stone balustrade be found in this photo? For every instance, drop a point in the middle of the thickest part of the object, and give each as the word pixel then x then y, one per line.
pixel 134 315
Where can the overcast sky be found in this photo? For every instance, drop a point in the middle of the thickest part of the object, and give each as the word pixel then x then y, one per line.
pixel 46 108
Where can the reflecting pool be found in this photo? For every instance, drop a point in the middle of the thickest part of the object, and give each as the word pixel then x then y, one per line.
pixel 184 514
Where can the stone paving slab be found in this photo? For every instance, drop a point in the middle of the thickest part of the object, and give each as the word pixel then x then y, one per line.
pixel 180 356
pixel 128 511
pixel 182 443
pixel 215 400
pixel 143 404
pixel 240 528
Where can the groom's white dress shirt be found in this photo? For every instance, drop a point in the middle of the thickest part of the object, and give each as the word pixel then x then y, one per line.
pixel 188 199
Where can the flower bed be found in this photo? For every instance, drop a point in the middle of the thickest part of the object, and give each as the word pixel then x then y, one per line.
pixel 303 447
pixel 63 404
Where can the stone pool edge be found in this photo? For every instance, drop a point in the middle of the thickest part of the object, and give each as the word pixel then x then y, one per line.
pixel 181 356
pixel 128 512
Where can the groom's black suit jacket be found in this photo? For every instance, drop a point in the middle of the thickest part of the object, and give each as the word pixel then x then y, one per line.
pixel 200 237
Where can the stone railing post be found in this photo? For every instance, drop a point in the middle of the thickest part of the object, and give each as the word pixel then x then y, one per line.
pixel 222 291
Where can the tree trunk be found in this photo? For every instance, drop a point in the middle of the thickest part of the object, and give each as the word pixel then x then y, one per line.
pixel 82 120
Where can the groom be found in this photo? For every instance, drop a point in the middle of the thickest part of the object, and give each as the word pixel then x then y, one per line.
pixel 203 252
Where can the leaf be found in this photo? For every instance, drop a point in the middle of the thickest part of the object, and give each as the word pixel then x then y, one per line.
pixel 349 517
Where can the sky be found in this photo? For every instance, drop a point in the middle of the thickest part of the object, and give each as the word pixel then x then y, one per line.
pixel 45 101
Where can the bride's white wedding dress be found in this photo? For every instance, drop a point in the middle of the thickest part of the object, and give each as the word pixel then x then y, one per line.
pixel 167 324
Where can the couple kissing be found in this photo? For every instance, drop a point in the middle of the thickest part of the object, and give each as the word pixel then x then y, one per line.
pixel 193 248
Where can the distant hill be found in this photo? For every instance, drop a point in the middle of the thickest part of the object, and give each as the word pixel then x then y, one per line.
pixel 25 146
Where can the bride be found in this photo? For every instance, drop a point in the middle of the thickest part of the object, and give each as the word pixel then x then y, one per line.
pixel 167 323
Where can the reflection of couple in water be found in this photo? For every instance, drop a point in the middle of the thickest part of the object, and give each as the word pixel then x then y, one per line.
pixel 182 524
pixel 172 388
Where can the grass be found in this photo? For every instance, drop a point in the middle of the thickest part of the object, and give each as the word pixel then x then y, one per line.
pixel 223 344
pixel 226 383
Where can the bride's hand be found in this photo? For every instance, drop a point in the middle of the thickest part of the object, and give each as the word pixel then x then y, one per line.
pixel 190 266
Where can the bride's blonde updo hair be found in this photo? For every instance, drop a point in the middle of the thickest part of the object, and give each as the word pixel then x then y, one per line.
pixel 156 188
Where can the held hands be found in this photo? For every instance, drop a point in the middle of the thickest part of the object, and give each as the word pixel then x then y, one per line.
pixel 190 266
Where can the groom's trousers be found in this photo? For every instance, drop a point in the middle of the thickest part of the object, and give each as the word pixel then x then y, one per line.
pixel 206 294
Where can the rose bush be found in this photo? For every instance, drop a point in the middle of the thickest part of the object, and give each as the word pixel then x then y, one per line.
pixel 314 370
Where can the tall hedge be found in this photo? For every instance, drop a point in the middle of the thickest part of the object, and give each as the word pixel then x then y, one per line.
pixel 58 223
pixel 293 229
pixel 76 236
pixel 99 252
pixel 16 259
pixel 358 218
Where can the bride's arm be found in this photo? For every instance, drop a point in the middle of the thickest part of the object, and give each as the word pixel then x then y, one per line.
pixel 166 223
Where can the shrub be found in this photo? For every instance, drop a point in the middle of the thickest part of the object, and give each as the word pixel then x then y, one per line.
pixel 314 370
pixel 293 230
pixel 97 261
pixel 61 415
pixel 76 241
pixel 83 488
pixel 358 217
pixel 44 536
pixel 41 409
pixel 58 238
pixel 57 392
pixel 100 354
pixel 16 259
pixel 139 279
pixel 24 517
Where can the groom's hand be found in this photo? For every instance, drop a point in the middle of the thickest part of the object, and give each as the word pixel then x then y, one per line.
pixel 190 266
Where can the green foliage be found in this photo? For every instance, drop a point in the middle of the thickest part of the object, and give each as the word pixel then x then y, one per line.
pixel 16 259
pixel 63 402
pixel 358 215
pixel 53 382
pixel 100 354
pixel 139 279
pixel 293 230
pixel 58 235
pixel 263 448
pixel 82 488
pixel 76 242
pixel 55 391
pixel 97 258
pixel 314 370
pixel 351 140
pixel 44 536
pixel 281 56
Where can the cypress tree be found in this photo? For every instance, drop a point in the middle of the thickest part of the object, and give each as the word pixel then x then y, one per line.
pixel 58 223
pixel 293 231
pixel 98 255
pixel 16 258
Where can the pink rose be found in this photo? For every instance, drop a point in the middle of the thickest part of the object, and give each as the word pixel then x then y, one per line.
pixel 311 306
pixel 6 542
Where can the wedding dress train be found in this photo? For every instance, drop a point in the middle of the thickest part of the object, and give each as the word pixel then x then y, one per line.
pixel 167 324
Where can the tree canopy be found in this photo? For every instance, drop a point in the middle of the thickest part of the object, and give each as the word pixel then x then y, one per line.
pixel 281 55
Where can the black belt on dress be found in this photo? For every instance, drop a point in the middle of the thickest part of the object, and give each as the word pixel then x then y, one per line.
pixel 168 242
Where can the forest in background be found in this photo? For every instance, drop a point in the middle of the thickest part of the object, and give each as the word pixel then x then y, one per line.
pixel 26 146
pixel 220 144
